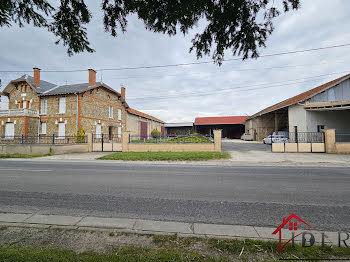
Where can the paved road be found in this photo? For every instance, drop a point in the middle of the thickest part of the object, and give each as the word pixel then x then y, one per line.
pixel 244 146
pixel 258 196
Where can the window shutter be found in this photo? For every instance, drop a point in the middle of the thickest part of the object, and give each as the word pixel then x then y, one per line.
pixel 43 128
pixel 62 105
pixel 119 131
pixel 119 114
pixel 110 111
pixel 43 107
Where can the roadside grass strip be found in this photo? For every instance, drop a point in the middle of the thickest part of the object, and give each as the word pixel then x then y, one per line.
pixel 23 155
pixel 165 156
pixel 174 248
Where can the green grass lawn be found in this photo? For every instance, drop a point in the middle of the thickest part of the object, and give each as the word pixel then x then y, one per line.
pixel 165 156
pixel 174 248
pixel 21 155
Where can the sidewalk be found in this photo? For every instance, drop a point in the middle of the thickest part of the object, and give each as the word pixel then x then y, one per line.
pixel 141 226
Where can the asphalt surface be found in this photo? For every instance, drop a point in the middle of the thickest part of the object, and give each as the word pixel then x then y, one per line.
pixel 257 196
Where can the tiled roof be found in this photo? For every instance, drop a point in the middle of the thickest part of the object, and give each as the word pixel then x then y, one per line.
pixel 44 85
pixel 220 120
pixel 301 97
pixel 138 113
pixel 69 89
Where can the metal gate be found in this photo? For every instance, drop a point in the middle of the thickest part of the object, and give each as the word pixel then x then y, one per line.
pixel 106 143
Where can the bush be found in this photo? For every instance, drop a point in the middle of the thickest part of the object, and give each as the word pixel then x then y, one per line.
pixel 190 139
pixel 81 135
pixel 155 133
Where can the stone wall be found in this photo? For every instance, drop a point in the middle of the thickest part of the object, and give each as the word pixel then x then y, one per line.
pixel 95 109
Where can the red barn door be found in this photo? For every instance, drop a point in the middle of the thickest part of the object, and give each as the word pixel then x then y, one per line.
pixel 143 129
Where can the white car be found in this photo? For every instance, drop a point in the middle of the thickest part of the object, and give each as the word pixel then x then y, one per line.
pixel 275 139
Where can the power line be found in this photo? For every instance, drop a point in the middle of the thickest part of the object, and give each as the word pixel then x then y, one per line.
pixel 269 85
pixel 177 65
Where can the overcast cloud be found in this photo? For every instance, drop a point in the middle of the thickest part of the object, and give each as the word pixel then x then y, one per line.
pixel 182 93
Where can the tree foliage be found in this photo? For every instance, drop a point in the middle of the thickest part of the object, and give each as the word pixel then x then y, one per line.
pixel 239 25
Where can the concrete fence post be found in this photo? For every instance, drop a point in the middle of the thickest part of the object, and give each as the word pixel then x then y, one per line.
pixel 217 140
pixel 89 141
pixel 125 141
pixel 329 136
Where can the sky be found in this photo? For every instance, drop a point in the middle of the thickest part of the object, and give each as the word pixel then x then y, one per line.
pixel 179 94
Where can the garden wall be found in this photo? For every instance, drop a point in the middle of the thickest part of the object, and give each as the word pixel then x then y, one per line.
pixel 43 149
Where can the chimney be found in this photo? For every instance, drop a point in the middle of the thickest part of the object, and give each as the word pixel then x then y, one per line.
pixel 122 92
pixel 36 76
pixel 92 77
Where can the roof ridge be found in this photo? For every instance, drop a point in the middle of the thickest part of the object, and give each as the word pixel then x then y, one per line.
pixel 303 96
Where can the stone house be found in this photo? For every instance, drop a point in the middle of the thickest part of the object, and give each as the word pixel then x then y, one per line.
pixel 37 107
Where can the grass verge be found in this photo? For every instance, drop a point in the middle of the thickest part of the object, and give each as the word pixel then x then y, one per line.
pixel 22 155
pixel 174 248
pixel 165 156
pixel 26 156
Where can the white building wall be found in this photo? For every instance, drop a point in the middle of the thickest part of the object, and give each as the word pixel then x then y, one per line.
pixel 336 119
pixel 297 117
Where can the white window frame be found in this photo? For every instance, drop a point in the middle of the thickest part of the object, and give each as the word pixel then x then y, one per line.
pixel 60 136
pixel 24 104
pixel 43 128
pixel 43 107
pixel 119 114
pixel 111 112
pixel 62 105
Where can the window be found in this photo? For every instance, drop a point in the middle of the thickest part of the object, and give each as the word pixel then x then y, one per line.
pixel 43 107
pixel 24 105
pixel 110 111
pixel 61 130
pixel 320 128
pixel 98 131
pixel 24 89
pixel 119 131
pixel 119 114
pixel 43 128
pixel 62 105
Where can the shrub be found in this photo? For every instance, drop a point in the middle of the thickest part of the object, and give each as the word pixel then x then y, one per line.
pixel 155 133
pixel 81 135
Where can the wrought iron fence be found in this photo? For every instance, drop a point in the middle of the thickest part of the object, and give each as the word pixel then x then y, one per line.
pixel 174 139
pixel 299 137
pixel 342 138
pixel 106 138
pixel 52 140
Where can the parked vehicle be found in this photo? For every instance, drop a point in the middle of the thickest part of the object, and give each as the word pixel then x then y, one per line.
pixel 275 139
pixel 247 137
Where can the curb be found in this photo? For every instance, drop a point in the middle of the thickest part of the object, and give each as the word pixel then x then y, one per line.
pixel 143 226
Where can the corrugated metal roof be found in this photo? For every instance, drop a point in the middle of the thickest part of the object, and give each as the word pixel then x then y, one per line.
pixel 178 124
pixel 301 97
pixel 220 120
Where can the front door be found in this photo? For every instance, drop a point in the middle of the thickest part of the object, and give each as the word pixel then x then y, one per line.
pixel 110 133
pixel 61 130
pixel 9 130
